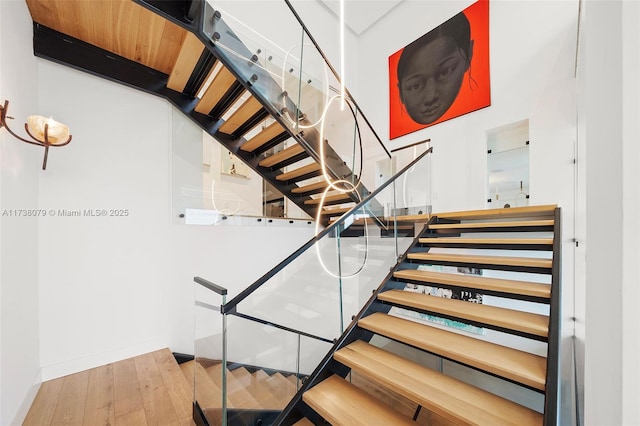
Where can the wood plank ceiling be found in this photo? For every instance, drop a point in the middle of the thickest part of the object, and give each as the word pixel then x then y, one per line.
pixel 118 26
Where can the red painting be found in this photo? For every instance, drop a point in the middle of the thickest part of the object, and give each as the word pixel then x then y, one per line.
pixel 442 75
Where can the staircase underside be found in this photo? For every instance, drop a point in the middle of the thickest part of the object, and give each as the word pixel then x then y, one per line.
pixel 157 47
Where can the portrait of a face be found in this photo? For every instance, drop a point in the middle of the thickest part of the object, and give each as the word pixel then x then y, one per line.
pixel 438 76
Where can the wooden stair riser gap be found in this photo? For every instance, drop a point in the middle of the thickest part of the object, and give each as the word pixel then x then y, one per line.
pixel 519 323
pixel 537 291
pixel 251 122
pixel 496 243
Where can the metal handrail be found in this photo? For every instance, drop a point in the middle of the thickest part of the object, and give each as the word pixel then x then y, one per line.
pixel 335 73
pixel 230 306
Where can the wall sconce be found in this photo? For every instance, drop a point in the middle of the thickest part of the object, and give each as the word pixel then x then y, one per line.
pixel 44 131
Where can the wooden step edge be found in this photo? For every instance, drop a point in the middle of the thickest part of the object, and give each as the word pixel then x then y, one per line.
pixel 330 198
pixel 318 186
pixel 487 241
pixel 446 396
pixel 529 211
pixel 502 318
pixel 238 394
pixel 518 366
pixel 267 134
pixel 493 225
pixel 281 156
pixel 309 168
pixel 221 83
pixel 527 262
pixel 303 422
pixel 341 403
pixel 524 288
pixel 187 59
pixel 241 115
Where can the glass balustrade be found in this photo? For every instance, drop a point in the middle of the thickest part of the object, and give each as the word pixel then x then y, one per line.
pixel 253 353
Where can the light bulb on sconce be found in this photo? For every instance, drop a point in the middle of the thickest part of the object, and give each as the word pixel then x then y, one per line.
pixel 44 131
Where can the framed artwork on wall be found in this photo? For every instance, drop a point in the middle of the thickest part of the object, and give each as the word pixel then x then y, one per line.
pixel 443 74
pixel 232 165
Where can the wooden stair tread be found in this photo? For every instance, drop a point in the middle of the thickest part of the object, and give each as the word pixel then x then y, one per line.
pixel 260 390
pixel 500 241
pixel 531 262
pixel 241 115
pixel 341 403
pixel 309 168
pixel 330 198
pixel 524 288
pixel 490 225
pixel 187 60
pixel 510 319
pixel 318 186
pixel 208 392
pixel 448 397
pixel 521 367
pixel 530 211
pixel 267 134
pixel 278 387
pixel 216 90
pixel 303 422
pixel 281 156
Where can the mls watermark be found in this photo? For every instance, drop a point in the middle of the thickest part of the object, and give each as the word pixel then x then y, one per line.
pixel 65 212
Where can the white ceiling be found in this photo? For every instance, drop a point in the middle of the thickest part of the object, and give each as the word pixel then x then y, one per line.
pixel 360 14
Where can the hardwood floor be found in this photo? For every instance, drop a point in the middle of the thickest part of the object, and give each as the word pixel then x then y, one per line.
pixel 149 389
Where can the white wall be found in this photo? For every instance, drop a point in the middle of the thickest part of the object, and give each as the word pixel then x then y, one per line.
pixel 113 287
pixel 20 168
pixel 608 81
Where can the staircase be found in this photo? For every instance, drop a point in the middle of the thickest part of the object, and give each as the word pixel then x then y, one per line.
pixel 425 350
pixel 160 47
pixel 252 393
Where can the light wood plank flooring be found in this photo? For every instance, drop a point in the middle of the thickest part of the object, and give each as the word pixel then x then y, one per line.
pixel 149 389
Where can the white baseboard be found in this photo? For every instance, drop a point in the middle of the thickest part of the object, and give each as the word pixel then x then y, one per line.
pixel 22 411
pixel 65 368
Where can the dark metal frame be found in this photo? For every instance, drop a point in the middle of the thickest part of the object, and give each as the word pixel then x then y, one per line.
pixel 551 402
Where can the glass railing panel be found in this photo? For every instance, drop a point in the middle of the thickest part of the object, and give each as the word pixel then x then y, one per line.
pixel 265 367
pixel 318 290
pixel 414 186
pixel 304 295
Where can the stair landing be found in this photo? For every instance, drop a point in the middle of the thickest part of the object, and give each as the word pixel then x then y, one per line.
pixel 148 389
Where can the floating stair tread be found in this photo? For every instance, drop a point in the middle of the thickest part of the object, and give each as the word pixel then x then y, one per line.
pixel 241 115
pixel 269 132
pixel 521 367
pixel 330 198
pixel 524 288
pixel 530 262
pixel 318 186
pixel 488 241
pixel 303 422
pixel 309 168
pixel 520 321
pixel 335 211
pixel 448 397
pixel 490 225
pixel 341 403
pixel 281 156
pixel 216 90
pixel 530 211
pixel 188 58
